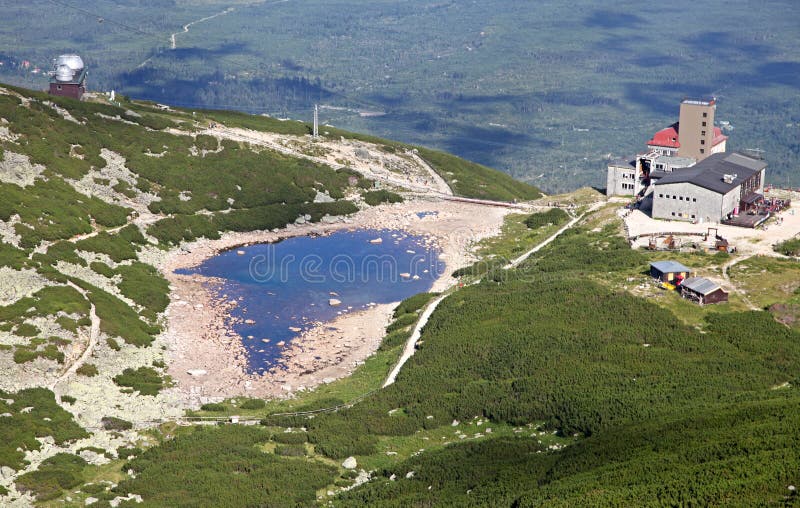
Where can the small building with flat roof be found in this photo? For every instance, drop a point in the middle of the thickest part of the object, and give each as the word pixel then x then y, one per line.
pixel 703 291
pixel 669 271
pixel 623 178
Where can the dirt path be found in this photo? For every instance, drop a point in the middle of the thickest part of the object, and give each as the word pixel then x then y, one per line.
pixel 725 273
pixel 94 333
pixel 516 262
pixel 411 343
pixel 410 347
pixel 441 185
pixel 173 39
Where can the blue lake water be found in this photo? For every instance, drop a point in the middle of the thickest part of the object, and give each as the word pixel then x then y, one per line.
pixel 289 284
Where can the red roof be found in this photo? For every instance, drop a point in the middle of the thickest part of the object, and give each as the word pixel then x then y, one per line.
pixel 719 137
pixel 666 137
pixel 670 137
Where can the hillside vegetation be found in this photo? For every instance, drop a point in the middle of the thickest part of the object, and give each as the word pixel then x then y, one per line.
pixel 555 383
pixel 95 195
pixel 464 177
pixel 551 385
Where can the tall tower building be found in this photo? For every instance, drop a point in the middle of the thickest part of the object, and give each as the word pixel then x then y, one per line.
pixel 694 135
pixel 697 133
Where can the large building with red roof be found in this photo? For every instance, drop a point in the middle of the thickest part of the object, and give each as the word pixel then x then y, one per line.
pixel 684 143
pixel 694 135
pixel 685 174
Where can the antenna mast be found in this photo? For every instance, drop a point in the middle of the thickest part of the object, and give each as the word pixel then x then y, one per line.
pixel 315 132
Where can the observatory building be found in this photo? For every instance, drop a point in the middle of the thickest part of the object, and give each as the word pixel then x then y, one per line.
pixel 68 78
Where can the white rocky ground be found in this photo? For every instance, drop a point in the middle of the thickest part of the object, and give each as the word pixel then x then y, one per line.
pixel 19 284
pixel 115 171
pixel 7 233
pixel 17 169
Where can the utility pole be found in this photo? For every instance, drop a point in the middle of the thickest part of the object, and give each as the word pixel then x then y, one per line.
pixel 315 132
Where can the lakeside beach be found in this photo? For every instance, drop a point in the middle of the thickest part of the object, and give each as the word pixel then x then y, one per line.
pixel 207 359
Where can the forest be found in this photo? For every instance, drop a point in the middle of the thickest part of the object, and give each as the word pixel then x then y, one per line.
pixel 547 94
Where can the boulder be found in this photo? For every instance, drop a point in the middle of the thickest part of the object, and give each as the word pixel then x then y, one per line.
pixel 321 197
pixel 6 472
pixel 88 455
pixel 349 463
pixel 197 372
pixel 333 302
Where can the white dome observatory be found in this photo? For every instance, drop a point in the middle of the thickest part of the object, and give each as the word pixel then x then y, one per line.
pixel 74 62
pixel 68 77
pixel 64 73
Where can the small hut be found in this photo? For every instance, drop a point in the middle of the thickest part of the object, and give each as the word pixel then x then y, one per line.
pixel 669 271
pixel 703 291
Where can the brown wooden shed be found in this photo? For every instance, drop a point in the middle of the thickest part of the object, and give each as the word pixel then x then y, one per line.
pixel 703 291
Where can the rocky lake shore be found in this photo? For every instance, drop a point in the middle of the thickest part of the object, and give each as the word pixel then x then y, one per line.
pixel 205 356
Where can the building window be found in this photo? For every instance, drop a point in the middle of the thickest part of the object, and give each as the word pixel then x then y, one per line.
pixel 694 199
pixel 702 133
pixel 674 197
pixel 704 124
pixel 673 214
pixel 702 141
pixel 702 150
pixel 705 115
pixel 661 195
pixel 680 198
pixel 58 87
pixel 693 216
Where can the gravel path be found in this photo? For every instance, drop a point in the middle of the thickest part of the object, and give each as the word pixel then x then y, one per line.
pixel 94 333
pixel 726 274
pixel 516 262
pixel 410 347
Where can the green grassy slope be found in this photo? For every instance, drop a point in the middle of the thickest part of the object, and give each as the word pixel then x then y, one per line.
pixel 78 175
pixel 466 178
pixel 646 409
pixel 728 455
pixel 595 396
